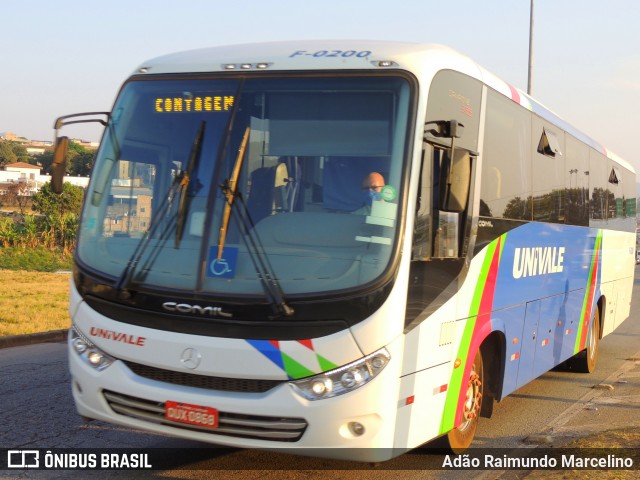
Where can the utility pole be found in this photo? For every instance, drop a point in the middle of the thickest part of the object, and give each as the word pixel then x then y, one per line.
pixel 530 73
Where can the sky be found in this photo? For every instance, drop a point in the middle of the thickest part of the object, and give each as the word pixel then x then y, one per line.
pixel 70 56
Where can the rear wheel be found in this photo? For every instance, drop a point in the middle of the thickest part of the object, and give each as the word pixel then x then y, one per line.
pixel 459 439
pixel 585 361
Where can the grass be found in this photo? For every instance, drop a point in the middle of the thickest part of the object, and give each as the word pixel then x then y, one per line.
pixel 33 302
pixel 627 438
pixel 33 298
pixel 34 259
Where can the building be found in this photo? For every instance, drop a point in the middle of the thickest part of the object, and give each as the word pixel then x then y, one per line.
pixel 8 136
pixel 30 176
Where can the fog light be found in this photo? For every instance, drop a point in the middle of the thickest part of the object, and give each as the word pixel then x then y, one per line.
pixel 356 428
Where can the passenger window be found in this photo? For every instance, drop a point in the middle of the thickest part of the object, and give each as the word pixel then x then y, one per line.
pixel 506 172
pixel 576 183
pixel 548 186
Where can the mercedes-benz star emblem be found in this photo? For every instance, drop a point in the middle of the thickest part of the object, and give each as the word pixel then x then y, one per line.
pixel 190 358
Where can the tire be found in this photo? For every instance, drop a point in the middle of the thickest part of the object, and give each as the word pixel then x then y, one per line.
pixel 585 361
pixel 459 439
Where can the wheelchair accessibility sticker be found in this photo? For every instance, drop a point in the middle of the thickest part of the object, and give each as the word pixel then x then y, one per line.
pixel 224 267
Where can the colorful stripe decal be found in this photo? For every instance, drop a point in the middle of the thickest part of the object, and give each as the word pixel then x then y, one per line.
pixel 303 365
pixel 587 305
pixel 515 95
pixel 479 316
pixel 521 100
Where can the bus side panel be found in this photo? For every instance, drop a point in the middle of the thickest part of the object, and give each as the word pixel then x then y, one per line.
pixel 533 262
pixel 429 354
pixel 538 285
pixel 420 405
pixel 618 265
pixel 548 336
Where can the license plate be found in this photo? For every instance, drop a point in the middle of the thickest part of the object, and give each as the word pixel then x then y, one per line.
pixel 192 414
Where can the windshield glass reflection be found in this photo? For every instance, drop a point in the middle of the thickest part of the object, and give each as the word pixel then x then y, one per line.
pixel 300 155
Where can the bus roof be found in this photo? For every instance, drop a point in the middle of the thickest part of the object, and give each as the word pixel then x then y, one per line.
pixel 420 59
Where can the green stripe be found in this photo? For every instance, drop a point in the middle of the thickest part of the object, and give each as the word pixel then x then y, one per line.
pixel 585 302
pixel 295 369
pixel 325 364
pixel 453 390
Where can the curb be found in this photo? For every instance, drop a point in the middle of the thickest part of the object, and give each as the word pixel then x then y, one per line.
pixel 33 338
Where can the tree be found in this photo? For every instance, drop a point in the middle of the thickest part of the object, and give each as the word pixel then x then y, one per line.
pixel 518 209
pixel 61 215
pixel 7 154
pixel 21 153
pixel 45 160
pixel 79 160
pixel 51 204
pixel 18 194
pixel 81 164
pixel 11 152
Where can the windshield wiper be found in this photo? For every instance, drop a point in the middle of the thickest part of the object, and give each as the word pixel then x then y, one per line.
pixel 229 188
pixel 178 187
pixel 259 258
pixel 185 181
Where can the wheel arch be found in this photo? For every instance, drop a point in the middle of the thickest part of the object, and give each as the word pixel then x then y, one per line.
pixel 492 349
pixel 602 308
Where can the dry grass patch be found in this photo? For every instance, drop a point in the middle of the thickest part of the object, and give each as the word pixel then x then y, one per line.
pixel 625 438
pixel 32 302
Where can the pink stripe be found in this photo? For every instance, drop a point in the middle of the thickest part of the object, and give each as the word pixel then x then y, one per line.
pixel 515 96
pixel 484 317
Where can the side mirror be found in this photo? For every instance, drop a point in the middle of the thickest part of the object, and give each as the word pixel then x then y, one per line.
pixel 444 128
pixel 59 165
pixel 455 181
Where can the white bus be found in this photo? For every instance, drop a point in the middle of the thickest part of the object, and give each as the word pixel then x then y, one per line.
pixel 341 248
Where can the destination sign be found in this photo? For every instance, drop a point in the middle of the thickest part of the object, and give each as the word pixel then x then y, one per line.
pixel 193 103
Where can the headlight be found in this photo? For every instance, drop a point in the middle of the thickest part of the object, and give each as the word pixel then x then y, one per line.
pixel 344 379
pixel 88 352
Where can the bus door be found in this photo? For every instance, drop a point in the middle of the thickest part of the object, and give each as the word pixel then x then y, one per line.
pixel 443 222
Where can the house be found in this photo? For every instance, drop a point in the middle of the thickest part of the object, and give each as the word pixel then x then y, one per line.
pixel 21 172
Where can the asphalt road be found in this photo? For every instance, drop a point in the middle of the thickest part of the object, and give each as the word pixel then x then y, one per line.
pixel 37 412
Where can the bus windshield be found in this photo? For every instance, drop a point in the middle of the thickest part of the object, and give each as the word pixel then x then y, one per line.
pixel 209 184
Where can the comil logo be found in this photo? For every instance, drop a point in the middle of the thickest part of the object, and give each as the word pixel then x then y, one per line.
pixel 23 459
pixel 195 309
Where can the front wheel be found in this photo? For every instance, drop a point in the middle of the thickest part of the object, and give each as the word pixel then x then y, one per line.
pixel 459 439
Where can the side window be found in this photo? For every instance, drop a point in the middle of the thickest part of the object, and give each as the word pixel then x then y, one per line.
pixel 576 201
pixel 548 172
pixel 622 185
pixel 422 244
pixel 452 96
pixel 629 191
pixel 506 160
pixel 601 197
pixel 616 210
